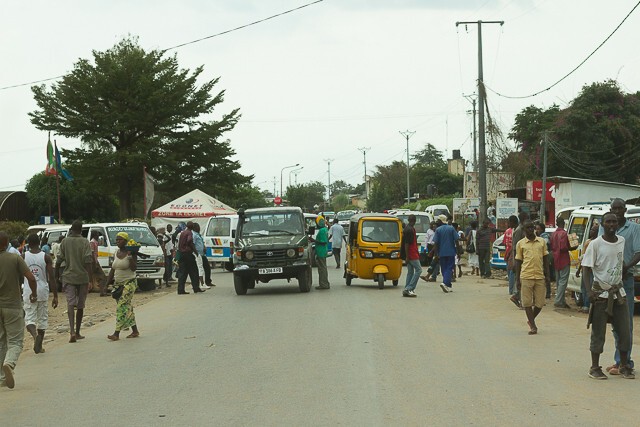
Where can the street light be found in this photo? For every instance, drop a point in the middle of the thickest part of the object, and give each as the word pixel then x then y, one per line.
pixel 296 172
pixel 282 170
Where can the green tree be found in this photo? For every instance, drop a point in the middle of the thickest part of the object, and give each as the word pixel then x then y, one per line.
pixel 340 186
pixel 76 200
pixel 595 137
pixel 430 156
pixel 388 187
pixel 132 108
pixel 306 196
pixel 422 176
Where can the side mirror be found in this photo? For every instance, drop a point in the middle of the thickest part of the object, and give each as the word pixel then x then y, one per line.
pixel 311 231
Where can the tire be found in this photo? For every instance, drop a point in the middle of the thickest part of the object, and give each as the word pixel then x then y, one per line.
pixel 395 283
pixel 380 281
pixel 348 279
pixel 228 265
pixel 240 284
pixel 304 280
pixel 146 284
pixel 313 257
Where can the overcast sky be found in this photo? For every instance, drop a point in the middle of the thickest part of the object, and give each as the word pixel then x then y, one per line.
pixel 323 81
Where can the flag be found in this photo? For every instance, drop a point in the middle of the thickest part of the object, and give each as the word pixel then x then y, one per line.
pixel 149 191
pixel 65 173
pixel 50 169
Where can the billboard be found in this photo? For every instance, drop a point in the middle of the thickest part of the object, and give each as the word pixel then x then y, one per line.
pixel 496 182
pixel 534 191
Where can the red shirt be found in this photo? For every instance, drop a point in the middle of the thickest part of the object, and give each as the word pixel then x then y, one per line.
pixel 185 242
pixel 411 241
pixel 507 240
pixel 560 248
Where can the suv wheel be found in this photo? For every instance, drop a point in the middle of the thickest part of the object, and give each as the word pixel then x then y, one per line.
pixel 304 280
pixel 228 266
pixel 240 284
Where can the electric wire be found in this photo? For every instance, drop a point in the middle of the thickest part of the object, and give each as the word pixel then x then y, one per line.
pixel 192 41
pixel 574 69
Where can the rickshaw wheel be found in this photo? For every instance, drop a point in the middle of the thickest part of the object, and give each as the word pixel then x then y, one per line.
pixel 380 281
pixel 395 282
pixel 348 279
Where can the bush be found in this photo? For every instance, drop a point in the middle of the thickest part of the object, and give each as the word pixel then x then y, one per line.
pixel 15 229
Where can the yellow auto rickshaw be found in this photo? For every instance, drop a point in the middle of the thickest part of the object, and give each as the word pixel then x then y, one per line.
pixel 373 248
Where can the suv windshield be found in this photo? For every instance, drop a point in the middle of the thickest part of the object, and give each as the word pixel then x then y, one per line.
pixel 138 233
pixel 271 223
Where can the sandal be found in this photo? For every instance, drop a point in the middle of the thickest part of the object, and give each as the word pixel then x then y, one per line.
pixel 73 338
pixel 113 337
pixel 133 335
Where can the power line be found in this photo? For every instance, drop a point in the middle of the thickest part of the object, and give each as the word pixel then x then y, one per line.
pixel 190 42
pixel 575 69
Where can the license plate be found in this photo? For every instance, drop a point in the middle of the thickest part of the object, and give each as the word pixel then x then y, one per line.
pixel 217 251
pixel 271 270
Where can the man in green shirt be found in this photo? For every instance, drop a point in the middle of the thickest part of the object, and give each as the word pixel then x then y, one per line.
pixel 321 240
pixel 75 252
pixel 12 269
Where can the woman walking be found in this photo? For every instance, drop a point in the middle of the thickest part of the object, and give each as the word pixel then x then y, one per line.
pixel 123 272
pixel 471 243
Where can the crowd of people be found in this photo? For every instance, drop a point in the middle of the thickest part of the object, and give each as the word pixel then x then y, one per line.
pixel 533 256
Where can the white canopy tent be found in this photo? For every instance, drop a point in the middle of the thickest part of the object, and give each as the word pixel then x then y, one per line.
pixel 195 206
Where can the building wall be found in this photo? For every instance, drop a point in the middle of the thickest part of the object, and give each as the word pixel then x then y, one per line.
pixel 576 193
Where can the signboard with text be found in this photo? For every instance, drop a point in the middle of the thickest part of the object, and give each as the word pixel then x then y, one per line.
pixel 534 191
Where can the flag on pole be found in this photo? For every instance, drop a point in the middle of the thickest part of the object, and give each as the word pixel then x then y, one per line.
pixel 65 173
pixel 149 191
pixel 50 169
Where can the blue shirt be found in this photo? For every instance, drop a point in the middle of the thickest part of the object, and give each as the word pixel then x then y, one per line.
pixel 198 242
pixel 446 237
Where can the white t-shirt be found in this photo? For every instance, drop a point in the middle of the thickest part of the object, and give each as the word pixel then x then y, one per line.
pixel 428 237
pixel 605 260
pixel 337 232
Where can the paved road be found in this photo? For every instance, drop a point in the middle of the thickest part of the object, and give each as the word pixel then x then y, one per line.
pixel 349 356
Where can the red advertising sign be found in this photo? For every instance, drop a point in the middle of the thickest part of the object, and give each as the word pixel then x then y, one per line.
pixel 277 200
pixel 534 191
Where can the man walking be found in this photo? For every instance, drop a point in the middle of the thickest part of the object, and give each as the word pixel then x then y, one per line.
pixel 483 248
pixel 75 252
pixel 507 241
pixel 187 263
pixel 561 261
pixel 410 242
pixel 336 235
pixel 444 246
pixel 532 273
pixel 36 314
pixel 630 231
pixel 604 261
pixel 321 240
pixel 167 246
pixel 12 269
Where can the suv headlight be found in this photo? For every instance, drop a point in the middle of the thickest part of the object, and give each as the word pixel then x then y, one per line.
pixel 249 255
pixel 159 261
pixel 366 254
pixel 291 252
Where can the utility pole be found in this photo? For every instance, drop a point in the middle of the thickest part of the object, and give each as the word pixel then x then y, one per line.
pixel 482 156
pixel 274 186
pixel 543 197
pixel 364 150
pixel 408 134
pixel 329 179
pixel 473 103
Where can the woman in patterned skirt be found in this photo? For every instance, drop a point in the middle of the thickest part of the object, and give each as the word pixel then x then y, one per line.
pixel 123 272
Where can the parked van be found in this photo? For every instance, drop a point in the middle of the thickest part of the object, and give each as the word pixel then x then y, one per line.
pixel 436 210
pixel 149 269
pixel 423 222
pixel 580 222
pixel 218 235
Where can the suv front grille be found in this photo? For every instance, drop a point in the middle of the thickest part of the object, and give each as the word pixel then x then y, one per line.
pixel 270 258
